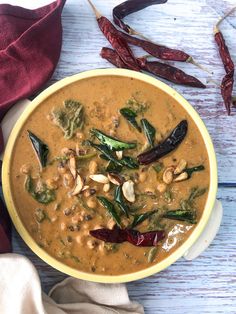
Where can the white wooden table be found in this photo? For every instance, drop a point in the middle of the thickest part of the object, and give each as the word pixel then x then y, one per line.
pixel 207 284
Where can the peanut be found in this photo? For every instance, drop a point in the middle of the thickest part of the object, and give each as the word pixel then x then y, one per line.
pixel 161 187
pixel 93 167
pixel 168 175
pixel 91 244
pixel 92 203
pixel 142 177
pixel 181 166
pixel 183 176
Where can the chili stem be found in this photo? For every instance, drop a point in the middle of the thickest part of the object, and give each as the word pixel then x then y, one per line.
pixel 146 57
pixel 213 81
pixel 96 12
pixel 216 28
pixel 192 61
pixel 134 32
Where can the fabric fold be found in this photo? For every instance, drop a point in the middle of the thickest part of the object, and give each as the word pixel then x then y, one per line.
pixel 30 46
pixel 19 281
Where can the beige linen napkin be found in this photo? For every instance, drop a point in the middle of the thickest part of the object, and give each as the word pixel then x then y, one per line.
pixel 20 293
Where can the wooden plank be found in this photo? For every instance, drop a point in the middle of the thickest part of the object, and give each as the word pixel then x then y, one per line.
pixel 205 285
pixel 208 284
pixel 182 24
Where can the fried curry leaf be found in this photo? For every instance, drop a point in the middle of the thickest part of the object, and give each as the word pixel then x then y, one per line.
pixel 42 195
pixel 149 131
pixel 182 215
pixel 110 208
pixel 187 211
pixel 129 162
pixel 139 218
pixel 40 148
pixel 194 169
pixel 120 201
pixel 111 142
pixel 113 167
pixel 84 205
pixel 130 116
pixel 107 155
pixel 69 118
pixel 158 167
pixel 137 106
pixel 188 204
pixel 168 196
pixel 196 192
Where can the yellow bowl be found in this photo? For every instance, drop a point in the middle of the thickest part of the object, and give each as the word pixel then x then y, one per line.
pixel 103 278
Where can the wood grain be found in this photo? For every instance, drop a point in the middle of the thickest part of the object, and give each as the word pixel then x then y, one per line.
pixel 208 284
pixel 183 24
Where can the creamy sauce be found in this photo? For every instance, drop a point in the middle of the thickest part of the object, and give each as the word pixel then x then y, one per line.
pixel 65 232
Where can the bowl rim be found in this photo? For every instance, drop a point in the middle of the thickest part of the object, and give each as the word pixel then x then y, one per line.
pixel 98 277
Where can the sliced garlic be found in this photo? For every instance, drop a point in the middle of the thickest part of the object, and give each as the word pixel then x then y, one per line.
pixel 181 166
pixel 100 178
pixel 85 187
pixel 72 166
pixel 106 187
pixel 115 178
pixel 128 191
pixel 119 154
pixel 168 175
pixel 183 176
pixel 78 185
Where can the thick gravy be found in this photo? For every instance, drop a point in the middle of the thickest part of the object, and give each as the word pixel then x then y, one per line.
pixel 60 218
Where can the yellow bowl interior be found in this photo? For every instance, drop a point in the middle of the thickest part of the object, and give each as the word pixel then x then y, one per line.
pixel 103 278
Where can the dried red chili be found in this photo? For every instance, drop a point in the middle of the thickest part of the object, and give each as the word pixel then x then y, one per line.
pixel 168 145
pixel 158 51
pixel 169 73
pixel 165 71
pixel 111 56
pixel 228 80
pixel 134 237
pixel 117 42
pixel 128 7
pixel 121 46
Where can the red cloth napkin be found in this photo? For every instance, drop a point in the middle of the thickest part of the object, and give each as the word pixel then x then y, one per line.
pixel 30 46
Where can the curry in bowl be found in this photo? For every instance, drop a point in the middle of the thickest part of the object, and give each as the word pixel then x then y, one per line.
pixel 109 175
